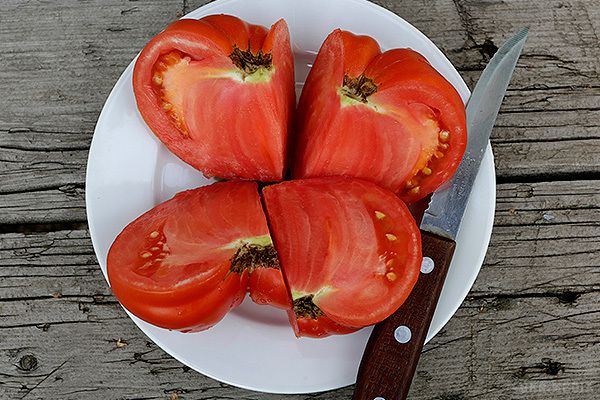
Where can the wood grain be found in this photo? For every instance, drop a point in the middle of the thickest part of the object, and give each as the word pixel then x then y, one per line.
pixel 529 328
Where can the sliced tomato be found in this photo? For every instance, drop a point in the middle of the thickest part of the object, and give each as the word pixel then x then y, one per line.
pixel 317 326
pixel 350 251
pixel 266 286
pixel 219 92
pixel 389 117
pixel 185 263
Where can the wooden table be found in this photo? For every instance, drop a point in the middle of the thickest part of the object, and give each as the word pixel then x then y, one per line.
pixel 530 327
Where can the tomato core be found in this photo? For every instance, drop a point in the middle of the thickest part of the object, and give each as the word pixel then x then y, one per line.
pixel 304 307
pixel 251 256
pixel 249 62
pixel 359 88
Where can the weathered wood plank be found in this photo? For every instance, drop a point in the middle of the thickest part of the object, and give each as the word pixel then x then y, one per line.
pixel 40 160
pixel 42 176
pixel 65 204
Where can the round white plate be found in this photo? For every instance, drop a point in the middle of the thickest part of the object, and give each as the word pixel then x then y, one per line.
pixel 130 171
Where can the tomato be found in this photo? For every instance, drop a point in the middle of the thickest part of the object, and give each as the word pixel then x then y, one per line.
pixel 316 326
pixel 350 251
pixel 266 286
pixel 219 93
pixel 389 117
pixel 185 263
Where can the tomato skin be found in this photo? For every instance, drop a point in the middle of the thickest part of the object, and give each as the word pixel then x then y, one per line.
pixel 201 314
pixel 266 286
pixel 200 105
pixel 317 328
pixel 171 267
pixel 391 137
pixel 350 251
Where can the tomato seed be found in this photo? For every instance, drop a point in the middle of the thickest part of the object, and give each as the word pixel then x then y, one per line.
pixel 410 183
pixel 154 235
pixel 146 254
pixel 157 79
pixel 379 215
pixel 391 276
pixel 444 146
pixel 391 237
pixel 426 171
pixel 444 136
pixel 167 106
pixel 147 264
pixel 154 249
pixel 438 154
pixel 415 190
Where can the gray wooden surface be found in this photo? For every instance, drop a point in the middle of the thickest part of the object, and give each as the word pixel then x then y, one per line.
pixel 530 327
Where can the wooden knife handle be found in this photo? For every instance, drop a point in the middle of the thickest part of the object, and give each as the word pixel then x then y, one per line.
pixel 394 348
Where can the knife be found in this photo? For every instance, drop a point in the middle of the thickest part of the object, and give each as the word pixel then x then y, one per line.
pixel 393 350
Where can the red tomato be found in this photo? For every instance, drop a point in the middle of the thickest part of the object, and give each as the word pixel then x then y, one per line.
pixel 390 118
pixel 266 286
pixel 185 263
pixel 219 92
pixel 350 251
pixel 317 326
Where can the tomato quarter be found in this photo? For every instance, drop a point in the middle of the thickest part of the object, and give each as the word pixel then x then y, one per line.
pixel 389 117
pixel 219 93
pixel 349 250
pixel 185 263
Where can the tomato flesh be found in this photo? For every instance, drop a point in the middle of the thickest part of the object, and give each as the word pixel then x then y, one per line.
pixel 389 117
pixel 185 263
pixel 266 286
pixel 350 251
pixel 218 92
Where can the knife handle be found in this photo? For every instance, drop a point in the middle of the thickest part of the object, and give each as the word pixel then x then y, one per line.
pixel 394 348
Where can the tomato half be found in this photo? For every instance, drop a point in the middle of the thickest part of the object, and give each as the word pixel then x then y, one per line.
pixel 350 251
pixel 219 93
pixel 389 117
pixel 185 263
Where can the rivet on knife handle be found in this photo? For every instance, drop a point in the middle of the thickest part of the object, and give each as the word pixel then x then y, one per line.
pixel 399 339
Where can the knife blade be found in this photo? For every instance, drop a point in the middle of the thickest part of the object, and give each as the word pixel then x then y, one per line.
pixel 395 345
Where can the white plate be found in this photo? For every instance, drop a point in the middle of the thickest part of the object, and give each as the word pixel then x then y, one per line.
pixel 129 172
